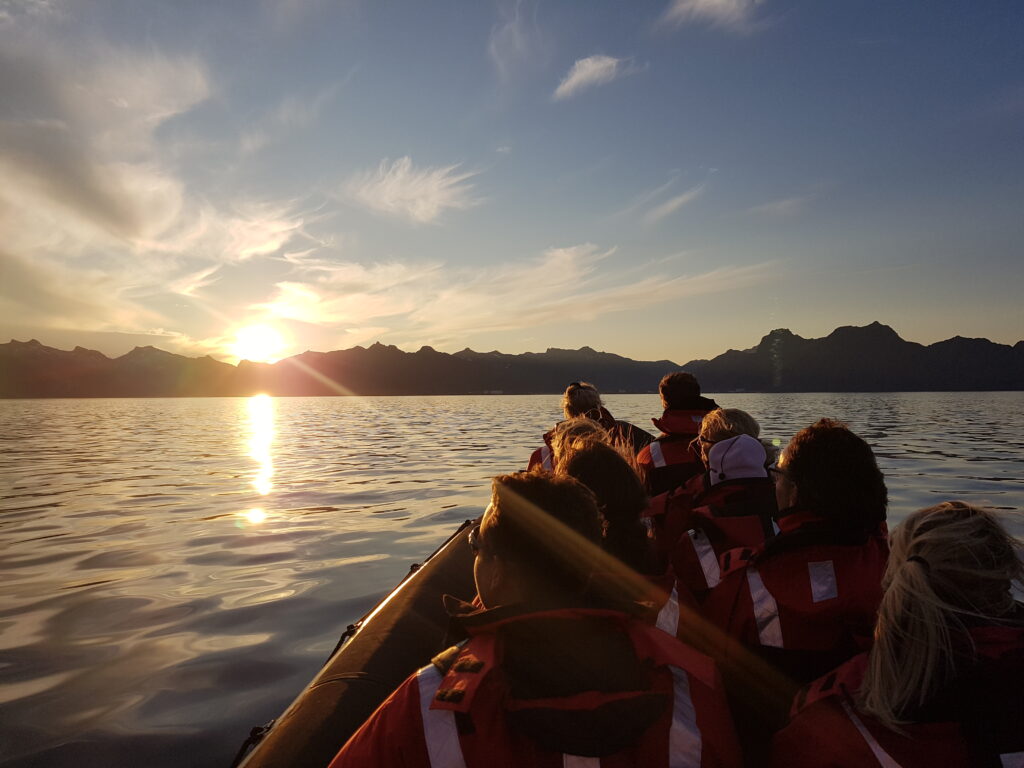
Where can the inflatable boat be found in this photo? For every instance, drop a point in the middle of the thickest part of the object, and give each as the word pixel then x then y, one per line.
pixel 374 655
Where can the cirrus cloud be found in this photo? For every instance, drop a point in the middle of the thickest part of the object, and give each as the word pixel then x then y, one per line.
pixel 436 304
pixel 735 14
pixel 588 73
pixel 420 195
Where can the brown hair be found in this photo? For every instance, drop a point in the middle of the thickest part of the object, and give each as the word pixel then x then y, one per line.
pixel 549 524
pixel 678 387
pixel 580 398
pixel 620 497
pixel 948 563
pixel 836 476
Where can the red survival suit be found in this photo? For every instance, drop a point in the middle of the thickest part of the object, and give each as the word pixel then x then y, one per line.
pixel 732 505
pixel 732 514
pixel 669 461
pixel 977 721
pixel 792 609
pixel 567 687
pixel 622 432
pixel 807 599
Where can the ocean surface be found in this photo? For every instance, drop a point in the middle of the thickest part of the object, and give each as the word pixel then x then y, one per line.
pixel 173 571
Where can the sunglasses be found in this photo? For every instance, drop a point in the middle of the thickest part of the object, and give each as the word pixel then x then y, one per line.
pixel 778 472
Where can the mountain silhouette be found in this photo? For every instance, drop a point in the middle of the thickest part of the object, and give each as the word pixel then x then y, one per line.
pixel 871 358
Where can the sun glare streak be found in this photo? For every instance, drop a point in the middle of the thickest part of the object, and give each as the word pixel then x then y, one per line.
pixel 261 439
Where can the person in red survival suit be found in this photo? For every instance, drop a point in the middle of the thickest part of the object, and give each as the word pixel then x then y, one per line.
pixel 545 677
pixel 582 399
pixel 942 684
pixel 670 460
pixel 670 513
pixel 807 599
pixel 734 511
pixel 620 496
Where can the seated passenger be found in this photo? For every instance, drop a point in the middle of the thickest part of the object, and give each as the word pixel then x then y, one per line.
pixel 583 399
pixel 942 684
pixel 671 459
pixel 544 678
pixel 620 498
pixel 736 510
pixel 671 512
pixel 808 598
pixel 569 431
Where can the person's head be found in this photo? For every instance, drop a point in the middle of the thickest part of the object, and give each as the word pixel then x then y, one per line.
pixel 570 430
pixel 736 458
pixel 828 470
pixel 581 399
pixel 620 497
pixel 948 563
pixel 677 388
pixel 723 423
pixel 538 539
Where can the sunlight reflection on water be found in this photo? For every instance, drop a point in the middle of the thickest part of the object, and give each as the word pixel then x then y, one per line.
pixel 261 426
pixel 173 572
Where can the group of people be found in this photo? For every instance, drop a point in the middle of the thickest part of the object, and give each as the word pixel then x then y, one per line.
pixel 701 599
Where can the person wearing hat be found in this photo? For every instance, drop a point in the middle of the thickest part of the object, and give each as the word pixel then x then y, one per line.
pixel 807 599
pixel 735 510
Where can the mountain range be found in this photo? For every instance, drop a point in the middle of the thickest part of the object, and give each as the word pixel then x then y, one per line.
pixel 871 358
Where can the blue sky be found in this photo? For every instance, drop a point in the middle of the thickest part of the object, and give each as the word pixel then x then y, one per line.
pixel 661 179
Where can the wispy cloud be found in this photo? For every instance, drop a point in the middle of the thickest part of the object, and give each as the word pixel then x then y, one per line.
pixel 735 14
pixel 514 41
pixel 293 112
pixel 11 10
pixel 589 73
pixel 673 204
pixel 436 304
pixel 419 194
pixel 785 206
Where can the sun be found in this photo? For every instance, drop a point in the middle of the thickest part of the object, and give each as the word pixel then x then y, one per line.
pixel 258 343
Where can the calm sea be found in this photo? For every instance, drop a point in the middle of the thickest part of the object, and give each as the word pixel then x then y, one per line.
pixel 173 572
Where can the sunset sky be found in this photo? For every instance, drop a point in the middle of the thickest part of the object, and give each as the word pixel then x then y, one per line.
pixel 662 179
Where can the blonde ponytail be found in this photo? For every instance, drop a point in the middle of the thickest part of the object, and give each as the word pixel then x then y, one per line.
pixel 948 562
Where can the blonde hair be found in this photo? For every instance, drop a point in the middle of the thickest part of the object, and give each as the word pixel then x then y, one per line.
pixel 580 398
pixel 947 563
pixel 573 430
pixel 723 423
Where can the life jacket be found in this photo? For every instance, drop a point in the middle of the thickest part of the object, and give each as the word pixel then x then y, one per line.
pixel 782 614
pixel 976 721
pixel 668 514
pixel 669 461
pixel 806 599
pixel 730 515
pixel 564 687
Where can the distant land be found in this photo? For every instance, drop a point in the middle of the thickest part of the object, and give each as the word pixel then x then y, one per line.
pixel 872 358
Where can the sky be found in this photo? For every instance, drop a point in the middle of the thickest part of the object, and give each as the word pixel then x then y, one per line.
pixel 662 180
